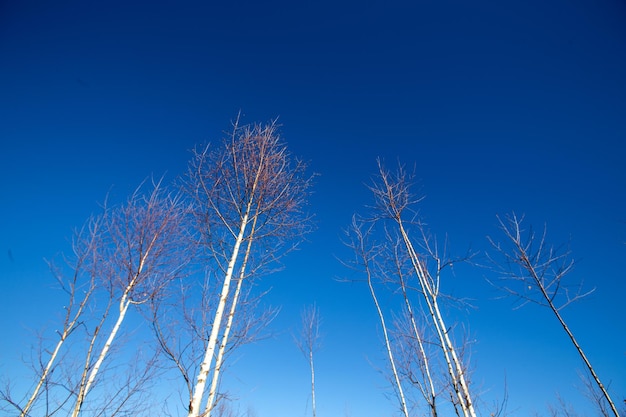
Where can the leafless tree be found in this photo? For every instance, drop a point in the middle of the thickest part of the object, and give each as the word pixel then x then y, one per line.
pixel 395 219
pixel 366 258
pixel 414 348
pixel 415 351
pixel 123 257
pixel 248 197
pixel 309 341
pixel 79 289
pixel 81 286
pixel 140 258
pixel 535 272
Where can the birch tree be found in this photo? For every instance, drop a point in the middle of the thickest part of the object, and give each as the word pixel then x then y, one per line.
pixel 78 287
pixel 393 216
pixel 122 257
pixel 142 256
pixel 414 351
pixel 366 253
pixel 309 342
pixel 535 272
pixel 248 198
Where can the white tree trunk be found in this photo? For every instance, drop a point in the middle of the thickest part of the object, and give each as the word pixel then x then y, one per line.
pixel 432 393
pixel 455 368
pixel 229 324
pixel 44 375
pixel 124 303
pixel 205 367
pixel 222 350
pixel 312 381
pixel 392 361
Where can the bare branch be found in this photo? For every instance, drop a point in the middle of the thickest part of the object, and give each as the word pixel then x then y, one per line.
pixel 535 272
pixel 249 192
pixel 309 342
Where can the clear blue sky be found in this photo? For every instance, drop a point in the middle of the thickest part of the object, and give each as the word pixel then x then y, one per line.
pixel 501 106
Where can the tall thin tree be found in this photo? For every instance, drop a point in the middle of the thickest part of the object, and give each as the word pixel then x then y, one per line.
pixel 535 272
pixel 249 190
pixel 79 288
pixel 309 341
pixel 394 216
pixel 366 258
pixel 140 257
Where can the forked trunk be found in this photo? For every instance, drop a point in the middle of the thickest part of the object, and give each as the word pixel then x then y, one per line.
pixel 229 324
pixel 455 368
pixel 205 367
pixel 124 303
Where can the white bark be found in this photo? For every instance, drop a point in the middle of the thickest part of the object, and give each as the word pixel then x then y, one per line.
pixel 81 249
pixel 229 324
pixel 124 303
pixel 392 361
pixel 431 394
pixel 455 367
pixel 205 367
pixel 44 375
pixel 365 257
pixel 312 382
pixel 393 196
pixel 251 179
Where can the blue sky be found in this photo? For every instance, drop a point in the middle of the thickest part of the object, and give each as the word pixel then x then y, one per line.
pixel 500 106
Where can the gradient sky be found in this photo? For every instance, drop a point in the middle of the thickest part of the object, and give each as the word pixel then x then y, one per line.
pixel 500 105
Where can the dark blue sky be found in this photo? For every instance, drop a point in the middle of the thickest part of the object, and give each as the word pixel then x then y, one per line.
pixel 500 106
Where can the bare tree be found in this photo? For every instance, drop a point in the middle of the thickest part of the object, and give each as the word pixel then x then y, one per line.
pixel 248 193
pixel 394 216
pixel 140 258
pixel 80 285
pixel 309 341
pixel 413 346
pixel 79 289
pixel 366 258
pixel 123 257
pixel 535 272
pixel 416 364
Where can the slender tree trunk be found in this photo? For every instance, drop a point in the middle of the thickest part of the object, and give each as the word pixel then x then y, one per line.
pixel 455 368
pixel 229 324
pixel 124 304
pixel 92 343
pixel 205 367
pixel 431 394
pixel 44 375
pixel 605 394
pixel 81 248
pixel 312 382
pixel 220 354
pixel 392 361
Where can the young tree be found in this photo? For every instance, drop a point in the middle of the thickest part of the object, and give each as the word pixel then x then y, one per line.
pixel 123 257
pixel 140 257
pixel 366 254
pixel 393 203
pixel 79 288
pixel 309 342
pixel 536 273
pixel 412 347
pixel 416 359
pixel 248 193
